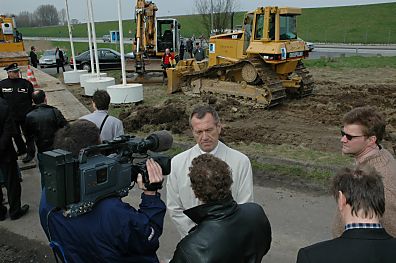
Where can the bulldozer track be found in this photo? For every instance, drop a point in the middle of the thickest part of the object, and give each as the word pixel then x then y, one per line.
pixel 307 86
pixel 268 84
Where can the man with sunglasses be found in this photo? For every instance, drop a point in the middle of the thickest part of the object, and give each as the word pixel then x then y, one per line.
pixel 363 130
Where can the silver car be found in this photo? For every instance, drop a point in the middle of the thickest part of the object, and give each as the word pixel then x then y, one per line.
pixel 310 45
pixel 48 59
pixel 106 38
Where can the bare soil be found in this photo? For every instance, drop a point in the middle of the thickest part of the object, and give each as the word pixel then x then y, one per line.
pixel 312 121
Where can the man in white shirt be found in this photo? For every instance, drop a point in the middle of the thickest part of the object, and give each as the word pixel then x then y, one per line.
pixel 110 127
pixel 206 128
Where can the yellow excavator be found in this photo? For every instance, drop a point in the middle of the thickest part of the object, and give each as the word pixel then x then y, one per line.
pixel 260 64
pixel 153 36
pixel 11 43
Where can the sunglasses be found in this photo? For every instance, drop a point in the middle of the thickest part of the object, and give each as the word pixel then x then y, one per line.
pixel 350 137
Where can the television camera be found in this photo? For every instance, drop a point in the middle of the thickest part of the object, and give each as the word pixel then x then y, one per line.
pixel 100 171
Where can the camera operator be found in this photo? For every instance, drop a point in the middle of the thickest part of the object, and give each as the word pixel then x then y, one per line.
pixel 113 231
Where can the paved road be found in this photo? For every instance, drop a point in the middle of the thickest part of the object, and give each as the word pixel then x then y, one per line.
pixel 52 70
pixel 325 51
pixel 298 219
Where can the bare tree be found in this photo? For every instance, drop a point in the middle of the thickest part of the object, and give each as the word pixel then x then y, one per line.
pixel 23 19
pixel 221 11
pixel 46 15
pixel 62 16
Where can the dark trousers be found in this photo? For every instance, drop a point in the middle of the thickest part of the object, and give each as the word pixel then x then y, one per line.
pixel 10 172
pixel 41 169
pixel 21 145
pixel 59 63
pixel 165 66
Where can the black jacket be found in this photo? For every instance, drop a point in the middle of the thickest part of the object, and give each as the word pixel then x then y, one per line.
pixel 18 93
pixel 33 58
pixel 61 57
pixel 7 130
pixel 355 245
pixel 42 123
pixel 225 232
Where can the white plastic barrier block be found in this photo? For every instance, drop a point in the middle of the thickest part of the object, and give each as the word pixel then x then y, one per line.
pixel 72 77
pixel 85 77
pixel 125 93
pixel 94 84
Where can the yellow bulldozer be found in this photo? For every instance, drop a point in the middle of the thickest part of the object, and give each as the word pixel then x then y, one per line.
pixel 11 44
pixel 260 64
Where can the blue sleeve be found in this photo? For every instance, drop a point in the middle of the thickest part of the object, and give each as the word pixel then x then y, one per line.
pixel 144 226
pixel 43 211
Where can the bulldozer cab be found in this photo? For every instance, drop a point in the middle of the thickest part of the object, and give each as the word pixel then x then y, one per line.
pixel 268 31
pixel 11 44
pixel 275 24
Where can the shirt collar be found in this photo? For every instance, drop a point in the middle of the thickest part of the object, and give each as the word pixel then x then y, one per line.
pixel 213 152
pixel 101 111
pixel 362 225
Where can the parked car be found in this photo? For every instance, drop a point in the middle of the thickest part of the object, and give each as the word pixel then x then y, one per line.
pixel 310 45
pixel 108 59
pixel 48 59
pixel 106 38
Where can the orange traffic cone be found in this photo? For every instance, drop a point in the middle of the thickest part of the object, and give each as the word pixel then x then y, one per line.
pixel 31 77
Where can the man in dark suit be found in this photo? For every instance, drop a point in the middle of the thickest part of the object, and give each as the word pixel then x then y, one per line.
pixel 361 202
pixel 60 60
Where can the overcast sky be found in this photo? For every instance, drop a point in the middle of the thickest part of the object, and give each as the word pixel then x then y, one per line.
pixel 107 9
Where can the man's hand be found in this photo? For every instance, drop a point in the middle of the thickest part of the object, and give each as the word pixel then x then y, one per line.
pixel 155 176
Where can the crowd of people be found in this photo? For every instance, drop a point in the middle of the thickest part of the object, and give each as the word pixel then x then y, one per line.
pixel 191 48
pixel 210 197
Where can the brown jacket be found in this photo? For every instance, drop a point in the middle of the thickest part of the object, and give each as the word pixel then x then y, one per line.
pixel 385 165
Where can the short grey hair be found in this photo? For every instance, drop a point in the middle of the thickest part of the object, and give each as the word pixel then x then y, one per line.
pixel 201 110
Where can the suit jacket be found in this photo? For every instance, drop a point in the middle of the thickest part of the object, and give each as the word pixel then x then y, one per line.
pixel 355 245
pixel 7 130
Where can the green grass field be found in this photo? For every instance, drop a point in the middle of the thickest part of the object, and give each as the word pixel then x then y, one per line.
pixel 352 62
pixel 353 24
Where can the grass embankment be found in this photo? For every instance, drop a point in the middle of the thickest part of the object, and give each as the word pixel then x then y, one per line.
pixel 352 62
pixel 352 24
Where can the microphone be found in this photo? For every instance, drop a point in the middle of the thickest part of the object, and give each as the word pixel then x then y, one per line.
pixel 159 141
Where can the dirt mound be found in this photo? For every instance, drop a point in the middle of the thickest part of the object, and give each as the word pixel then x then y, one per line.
pixel 169 116
pixel 174 114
